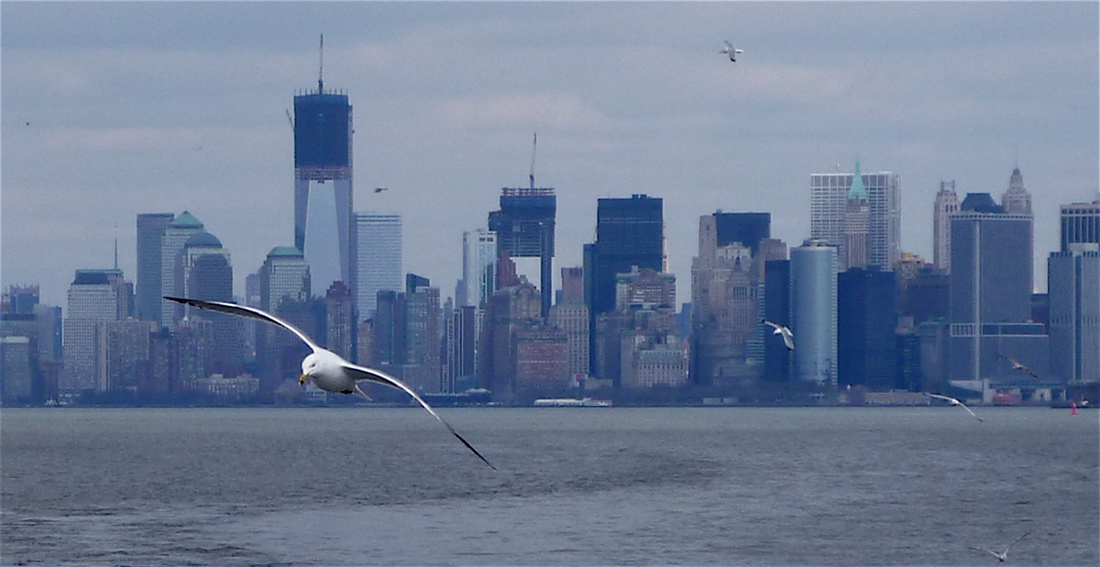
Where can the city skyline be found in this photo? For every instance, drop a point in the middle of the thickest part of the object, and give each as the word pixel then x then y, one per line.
pixel 114 110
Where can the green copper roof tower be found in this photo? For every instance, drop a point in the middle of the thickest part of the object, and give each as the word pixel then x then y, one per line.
pixel 858 191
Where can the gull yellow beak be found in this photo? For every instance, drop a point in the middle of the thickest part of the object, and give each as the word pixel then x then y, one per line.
pixel 302 379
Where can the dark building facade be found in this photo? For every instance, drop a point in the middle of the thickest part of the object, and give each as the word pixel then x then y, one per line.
pixel 747 228
pixel 525 229
pixel 925 296
pixel 990 293
pixel 866 345
pixel 1074 283
pixel 629 232
pixel 777 308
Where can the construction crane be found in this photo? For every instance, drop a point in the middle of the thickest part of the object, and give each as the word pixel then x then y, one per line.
pixel 321 69
pixel 534 146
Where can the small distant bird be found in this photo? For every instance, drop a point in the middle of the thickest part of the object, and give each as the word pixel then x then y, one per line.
pixel 731 51
pixel 380 189
pixel 1003 556
pixel 1017 366
pixel 788 336
pixel 328 370
pixel 954 402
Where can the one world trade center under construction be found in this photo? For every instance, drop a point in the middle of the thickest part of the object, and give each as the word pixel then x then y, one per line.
pixel 322 184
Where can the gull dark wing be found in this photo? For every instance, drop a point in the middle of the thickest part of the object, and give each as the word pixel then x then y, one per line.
pixel 364 373
pixel 245 311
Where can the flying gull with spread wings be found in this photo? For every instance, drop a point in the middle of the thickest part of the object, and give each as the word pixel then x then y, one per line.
pixel 788 336
pixel 1003 556
pixel 1016 365
pixel 731 51
pixel 326 369
pixel 954 402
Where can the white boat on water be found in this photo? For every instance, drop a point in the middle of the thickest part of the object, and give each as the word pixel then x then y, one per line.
pixel 571 403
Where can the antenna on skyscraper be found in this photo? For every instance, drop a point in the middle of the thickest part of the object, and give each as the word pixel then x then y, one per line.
pixel 321 70
pixel 534 146
pixel 116 247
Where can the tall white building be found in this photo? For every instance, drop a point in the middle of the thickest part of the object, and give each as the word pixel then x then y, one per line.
pixel 814 312
pixel 284 276
pixel 947 204
pixel 479 266
pixel 829 210
pixel 377 248
pixel 175 238
pixel 95 298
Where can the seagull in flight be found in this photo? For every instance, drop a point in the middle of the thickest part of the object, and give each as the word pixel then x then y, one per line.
pixel 1003 556
pixel 731 51
pixel 788 336
pixel 1017 366
pixel 328 370
pixel 954 402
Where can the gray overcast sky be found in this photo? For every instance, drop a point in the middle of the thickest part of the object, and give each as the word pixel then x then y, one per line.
pixel 115 109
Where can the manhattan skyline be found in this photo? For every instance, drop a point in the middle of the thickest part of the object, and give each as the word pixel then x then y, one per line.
pixel 113 110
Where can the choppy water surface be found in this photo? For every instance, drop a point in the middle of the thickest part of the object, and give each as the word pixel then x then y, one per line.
pixel 584 486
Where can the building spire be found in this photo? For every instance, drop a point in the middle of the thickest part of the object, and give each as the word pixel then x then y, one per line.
pixel 321 69
pixel 858 190
pixel 1016 199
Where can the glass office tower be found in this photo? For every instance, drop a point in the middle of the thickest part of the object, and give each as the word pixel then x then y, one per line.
pixel 322 184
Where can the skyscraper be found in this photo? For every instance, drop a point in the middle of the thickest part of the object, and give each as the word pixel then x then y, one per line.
pixel 1016 199
pixel 571 315
pixel 95 297
pixel 339 321
pixel 479 263
pixel 175 237
pixel 629 232
pixel 378 259
pixel 126 354
pixel 1080 224
pixel 524 226
pixel 284 276
pixel 207 274
pixel 829 210
pixel 1074 284
pixel 866 342
pixel 814 312
pixel 460 373
pixel 747 228
pixel 323 184
pixel 857 220
pixel 991 255
pixel 16 369
pixel 150 234
pixel 422 369
pixel 726 295
pixel 777 309
pixel 990 292
pixel 1073 280
pixel 947 204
